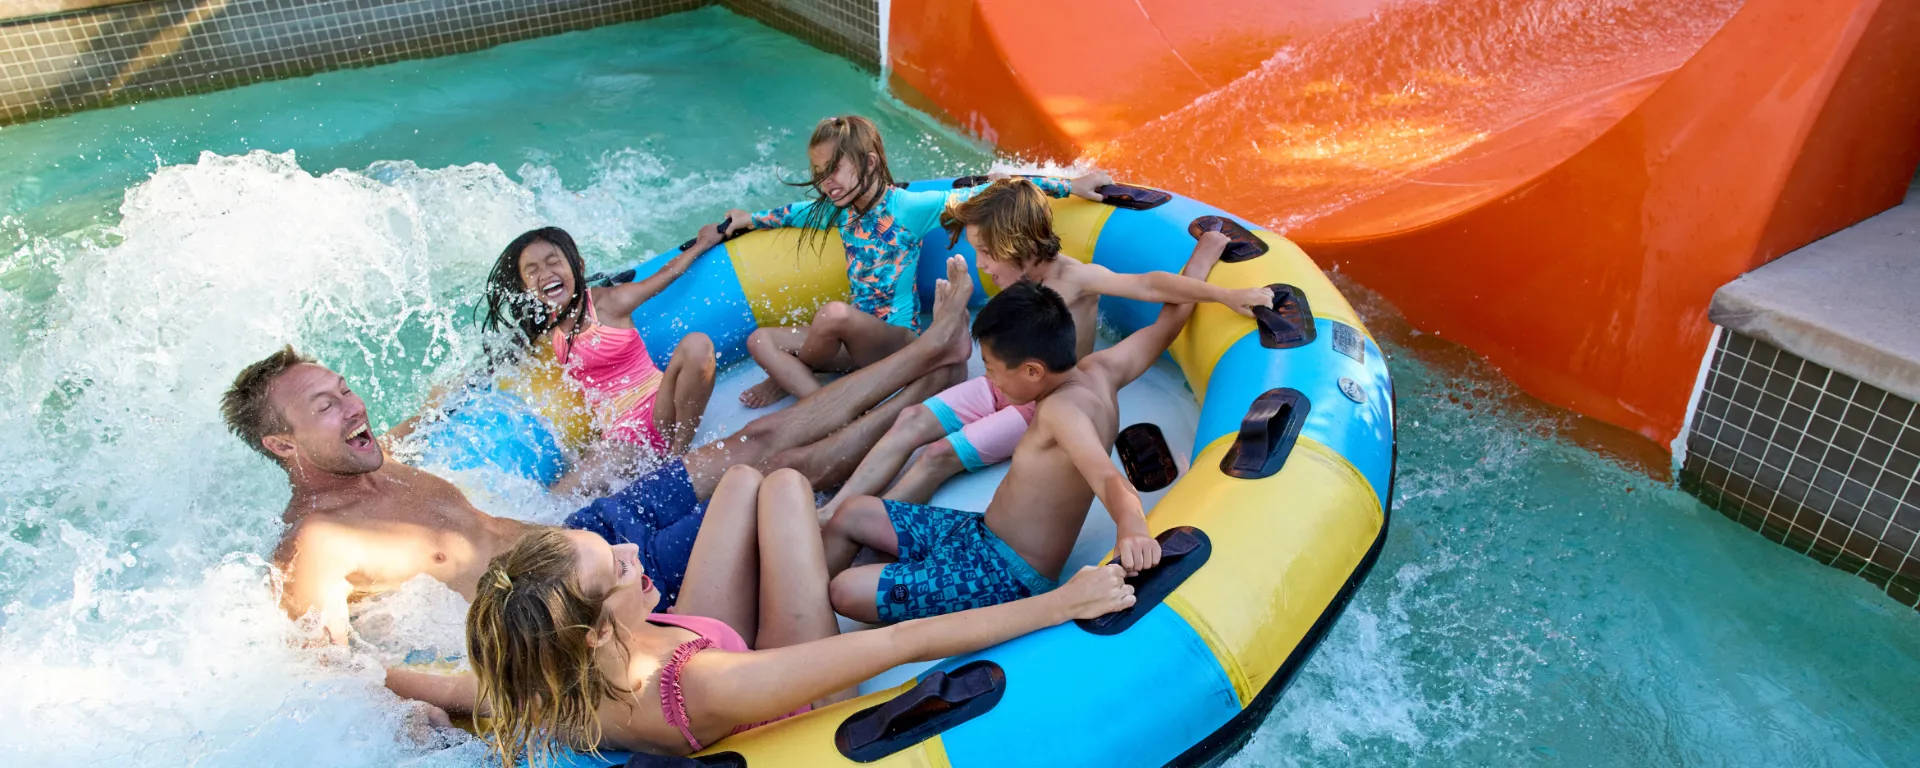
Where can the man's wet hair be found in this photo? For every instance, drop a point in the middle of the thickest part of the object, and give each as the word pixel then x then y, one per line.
pixel 1028 321
pixel 250 416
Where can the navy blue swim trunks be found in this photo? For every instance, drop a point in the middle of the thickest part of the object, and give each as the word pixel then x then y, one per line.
pixel 660 513
pixel 949 561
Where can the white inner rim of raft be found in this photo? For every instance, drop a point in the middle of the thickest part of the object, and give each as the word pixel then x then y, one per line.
pixel 1161 397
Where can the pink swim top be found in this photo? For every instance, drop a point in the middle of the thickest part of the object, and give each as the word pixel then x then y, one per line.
pixel 619 377
pixel 713 633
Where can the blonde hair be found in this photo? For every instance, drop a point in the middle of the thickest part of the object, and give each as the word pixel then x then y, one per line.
pixel 1015 223
pixel 527 639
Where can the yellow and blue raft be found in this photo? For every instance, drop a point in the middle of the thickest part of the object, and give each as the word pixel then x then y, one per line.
pixel 1280 514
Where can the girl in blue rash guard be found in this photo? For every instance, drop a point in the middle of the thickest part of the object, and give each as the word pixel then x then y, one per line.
pixel 881 227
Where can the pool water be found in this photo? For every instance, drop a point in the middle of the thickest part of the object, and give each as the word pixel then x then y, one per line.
pixel 1537 601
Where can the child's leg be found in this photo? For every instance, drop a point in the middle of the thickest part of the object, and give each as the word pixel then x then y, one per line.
pixel 773 350
pixel 846 335
pixel 684 389
pixel 916 426
pixel 932 469
pixel 840 339
pixel 979 444
pixel 853 593
pixel 861 522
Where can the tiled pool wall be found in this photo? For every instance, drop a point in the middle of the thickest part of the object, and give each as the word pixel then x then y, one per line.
pixel 1811 458
pixel 59 56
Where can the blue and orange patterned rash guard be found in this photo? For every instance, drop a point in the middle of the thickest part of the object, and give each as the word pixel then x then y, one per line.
pixel 883 246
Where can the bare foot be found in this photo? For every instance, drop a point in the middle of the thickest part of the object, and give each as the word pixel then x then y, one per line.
pixel 949 328
pixel 762 394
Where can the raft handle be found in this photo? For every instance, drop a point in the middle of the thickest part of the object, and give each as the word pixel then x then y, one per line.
pixel 1289 322
pixel 720 759
pixel 939 702
pixel 1131 197
pixel 1125 196
pixel 1145 456
pixel 627 275
pixel 1182 551
pixel 1267 434
pixel 1243 245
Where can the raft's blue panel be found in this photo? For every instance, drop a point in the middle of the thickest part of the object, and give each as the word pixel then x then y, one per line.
pixel 491 428
pixel 1362 432
pixel 934 252
pixel 1138 242
pixel 707 299
pixel 1073 698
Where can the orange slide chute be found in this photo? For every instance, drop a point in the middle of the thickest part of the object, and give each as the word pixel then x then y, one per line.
pixel 1559 185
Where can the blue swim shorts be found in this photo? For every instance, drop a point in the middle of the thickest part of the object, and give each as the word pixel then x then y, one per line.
pixel 949 561
pixel 659 512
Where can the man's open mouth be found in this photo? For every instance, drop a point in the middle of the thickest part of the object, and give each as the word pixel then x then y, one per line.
pixel 361 438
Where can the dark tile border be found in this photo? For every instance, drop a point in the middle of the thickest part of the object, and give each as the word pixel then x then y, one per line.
pixel 847 28
pixel 95 57
pixel 1811 458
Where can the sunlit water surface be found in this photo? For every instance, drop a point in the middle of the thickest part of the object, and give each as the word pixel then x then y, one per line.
pixel 1536 602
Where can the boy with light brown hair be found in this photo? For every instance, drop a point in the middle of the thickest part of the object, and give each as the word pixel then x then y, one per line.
pixel 973 425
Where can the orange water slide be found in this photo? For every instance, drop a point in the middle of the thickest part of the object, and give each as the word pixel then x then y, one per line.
pixel 1560 185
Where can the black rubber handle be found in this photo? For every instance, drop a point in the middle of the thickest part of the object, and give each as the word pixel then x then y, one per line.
pixel 1146 458
pixel 941 701
pixel 1243 244
pixel 1131 197
pixel 1289 322
pixel 1267 434
pixel 1182 551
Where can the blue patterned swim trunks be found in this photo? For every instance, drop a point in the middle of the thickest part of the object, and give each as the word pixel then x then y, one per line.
pixel 949 561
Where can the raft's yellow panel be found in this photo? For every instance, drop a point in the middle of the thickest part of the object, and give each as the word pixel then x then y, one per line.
pixel 807 742
pixel 543 384
pixel 787 274
pixel 1078 223
pixel 1282 548
pixel 1213 327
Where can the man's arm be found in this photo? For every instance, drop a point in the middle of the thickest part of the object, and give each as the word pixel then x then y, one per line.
pixel 453 693
pixel 1125 361
pixel 1074 433
pixel 316 580
pixel 1168 288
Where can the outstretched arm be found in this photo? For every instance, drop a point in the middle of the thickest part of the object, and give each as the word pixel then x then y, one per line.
pixel 1169 288
pixel 1070 428
pixel 454 693
pixel 1134 354
pixel 761 685
pixel 622 300
pixel 789 215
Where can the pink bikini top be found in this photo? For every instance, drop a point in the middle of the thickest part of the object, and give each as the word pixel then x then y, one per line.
pixel 713 633
pixel 611 364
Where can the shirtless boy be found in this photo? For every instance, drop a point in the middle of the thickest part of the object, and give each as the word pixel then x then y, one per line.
pixel 948 560
pixel 359 525
pixel 973 425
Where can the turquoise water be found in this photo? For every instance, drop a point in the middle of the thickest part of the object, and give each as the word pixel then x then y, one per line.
pixel 1537 601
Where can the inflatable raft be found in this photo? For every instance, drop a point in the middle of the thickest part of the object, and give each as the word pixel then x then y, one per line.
pixel 1268 521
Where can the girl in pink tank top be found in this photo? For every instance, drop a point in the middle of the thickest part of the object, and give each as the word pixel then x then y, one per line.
pixel 538 288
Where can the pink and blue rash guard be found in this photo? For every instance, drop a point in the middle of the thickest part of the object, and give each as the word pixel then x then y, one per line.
pixel 883 245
